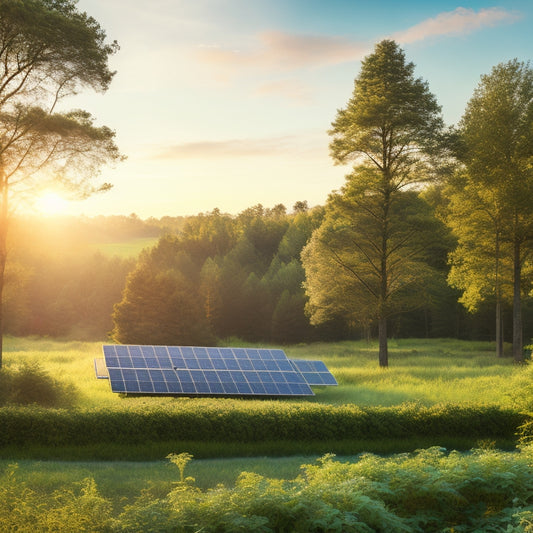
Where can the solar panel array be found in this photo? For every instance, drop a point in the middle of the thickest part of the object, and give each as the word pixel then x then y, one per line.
pixel 187 370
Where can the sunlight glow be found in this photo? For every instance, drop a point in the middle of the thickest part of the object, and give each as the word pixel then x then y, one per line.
pixel 51 203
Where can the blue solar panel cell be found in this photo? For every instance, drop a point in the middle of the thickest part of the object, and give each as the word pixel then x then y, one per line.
pixel 265 355
pixel 285 366
pixel 213 352
pixel 253 377
pixel 232 363
pixel 329 379
pixel 146 386
pixel 229 388
pixel 271 388
pixel 265 377
pixel 245 364
pixel 219 364
pixel 188 387
pixel 192 363
pixel 111 361
pixel 284 388
pixel 205 364
pixel 211 376
pixel 135 351
pixel 258 364
pixel 132 386
pixel 202 387
pixel 275 377
pixel 200 352
pixel 216 388
pixel 174 387
pixel 240 353
pixel 257 388
pixel 174 351
pixel 187 351
pixel 118 386
pixel 178 362
pixel 243 388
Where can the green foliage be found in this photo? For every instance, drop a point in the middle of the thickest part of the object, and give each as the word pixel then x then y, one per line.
pixel 220 276
pixel 30 384
pixel 428 491
pixel 372 236
pixel 491 208
pixel 180 460
pixel 221 421
pixel 341 260
pixel 65 510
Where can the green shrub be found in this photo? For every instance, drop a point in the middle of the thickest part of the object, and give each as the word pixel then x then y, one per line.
pixel 429 491
pixel 30 384
pixel 424 492
pixel 251 422
pixel 64 511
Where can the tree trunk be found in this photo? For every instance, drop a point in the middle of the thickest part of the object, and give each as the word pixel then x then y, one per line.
pixel 3 258
pixel 383 344
pixel 517 306
pixel 499 324
pixel 499 329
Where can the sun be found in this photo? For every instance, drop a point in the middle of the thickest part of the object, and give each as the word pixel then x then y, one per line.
pixel 51 203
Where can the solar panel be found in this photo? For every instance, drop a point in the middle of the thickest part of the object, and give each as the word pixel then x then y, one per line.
pixel 193 370
pixel 314 372
pixel 100 368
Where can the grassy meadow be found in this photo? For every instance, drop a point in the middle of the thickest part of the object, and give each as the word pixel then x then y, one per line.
pixel 423 373
pixel 125 248
pixel 428 372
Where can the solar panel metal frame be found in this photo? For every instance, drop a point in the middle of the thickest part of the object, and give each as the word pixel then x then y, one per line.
pixel 100 368
pixel 195 370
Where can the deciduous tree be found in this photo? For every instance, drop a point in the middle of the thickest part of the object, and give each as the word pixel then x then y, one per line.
pixel 388 130
pixel 49 50
pixel 497 130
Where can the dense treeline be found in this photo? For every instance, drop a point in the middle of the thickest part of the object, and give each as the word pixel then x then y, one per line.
pixel 224 276
pixel 210 277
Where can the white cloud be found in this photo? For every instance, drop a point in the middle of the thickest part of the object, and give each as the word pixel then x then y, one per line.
pixel 225 148
pixel 304 145
pixel 461 21
pixel 280 50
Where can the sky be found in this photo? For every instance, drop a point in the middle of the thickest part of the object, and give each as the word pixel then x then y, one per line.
pixel 226 103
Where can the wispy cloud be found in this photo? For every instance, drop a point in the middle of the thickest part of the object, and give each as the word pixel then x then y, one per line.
pixel 232 148
pixel 281 50
pixel 460 21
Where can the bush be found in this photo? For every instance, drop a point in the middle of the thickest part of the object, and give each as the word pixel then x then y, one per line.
pixel 32 385
pixel 429 491
pixel 251 422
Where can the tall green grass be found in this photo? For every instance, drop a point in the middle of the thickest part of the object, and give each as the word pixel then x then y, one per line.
pixel 423 371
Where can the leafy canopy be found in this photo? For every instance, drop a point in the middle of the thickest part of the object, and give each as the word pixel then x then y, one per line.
pixel 49 50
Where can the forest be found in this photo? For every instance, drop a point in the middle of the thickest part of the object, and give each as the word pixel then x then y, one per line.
pixel 207 278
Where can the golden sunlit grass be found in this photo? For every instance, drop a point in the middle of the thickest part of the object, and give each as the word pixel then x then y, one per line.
pixel 424 371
